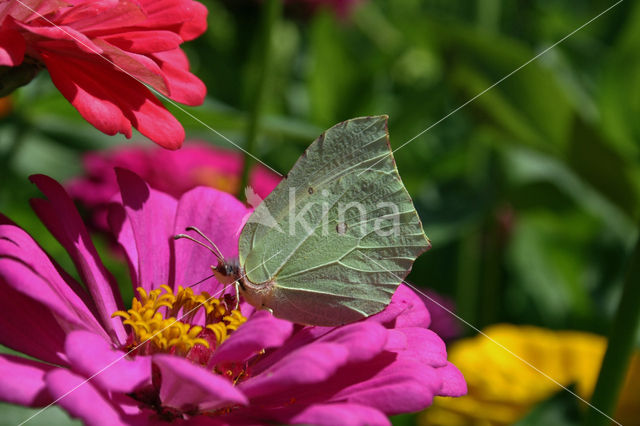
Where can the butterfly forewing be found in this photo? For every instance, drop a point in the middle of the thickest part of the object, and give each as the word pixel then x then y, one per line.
pixel 347 232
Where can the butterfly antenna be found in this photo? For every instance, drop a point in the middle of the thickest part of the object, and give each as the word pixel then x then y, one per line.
pixel 199 232
pixel 215 252
pixel 202 280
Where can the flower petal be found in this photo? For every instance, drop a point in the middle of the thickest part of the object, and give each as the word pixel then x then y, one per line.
pixel 453 383
pixel 23 381
pixel 419 344
pixel 120 227
pixel 28 270
pixel 184 87
pixel 81 399
pixel 29 327
pixel 13 45
pixel 111 100
pixel 151 215
pixel 140 67
pixel 405 310
pixel 261 331
pixel 148 41
pixel 218 215
pixel 34 9
pixel 310 364
pixel 342 414
pixel 109 369
pixel 362 341
pixel 97 17
pixel 62 37
pixel 189 16
pixel 60 216
pixel 188 386
pixel 83 89
pixel 401 386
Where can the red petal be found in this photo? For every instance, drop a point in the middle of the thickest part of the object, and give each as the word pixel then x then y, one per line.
pixel 12 44
pixel 184 87
pixel 111 100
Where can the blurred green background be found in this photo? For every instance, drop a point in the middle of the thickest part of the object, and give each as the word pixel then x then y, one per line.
pixel 530 194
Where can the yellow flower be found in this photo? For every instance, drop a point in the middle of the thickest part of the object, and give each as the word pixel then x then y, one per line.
pixel 502 388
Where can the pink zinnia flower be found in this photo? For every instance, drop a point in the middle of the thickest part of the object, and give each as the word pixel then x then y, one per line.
pixel 215 365
pixel 99 52
pixel 196 164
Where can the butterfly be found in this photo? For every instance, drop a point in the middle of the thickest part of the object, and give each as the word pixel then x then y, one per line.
pixel 332 242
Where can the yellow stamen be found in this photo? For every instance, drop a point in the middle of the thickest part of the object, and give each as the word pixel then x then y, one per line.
pixel 152 318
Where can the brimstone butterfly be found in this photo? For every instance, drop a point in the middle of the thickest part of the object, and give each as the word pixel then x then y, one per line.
pixel 336 237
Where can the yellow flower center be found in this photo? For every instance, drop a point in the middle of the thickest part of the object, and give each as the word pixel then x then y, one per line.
pixel 177 322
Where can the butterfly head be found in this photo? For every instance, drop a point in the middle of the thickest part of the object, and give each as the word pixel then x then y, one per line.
pixel 227 271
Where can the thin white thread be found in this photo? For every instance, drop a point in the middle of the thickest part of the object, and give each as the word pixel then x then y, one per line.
pixel 155 91
pixel 136 347
pixel 496 342
pixel 500 81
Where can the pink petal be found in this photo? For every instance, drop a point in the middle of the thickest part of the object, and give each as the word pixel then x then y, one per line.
pixel 23 381
pixel 311 364
pixel 186 385
pixel 12 46
pixel 108 368
pixel 60 216
pixel 405 310
pixel 261 331
pixel 120 227
pixel 402 386
pixel 453 383
pixel 419 344
pixel 263 181
pixel 151 215
pixel 29 327
pixel 342 414
pixel 218 215
pixel 82 400
pixel 28 270
pixel 362 341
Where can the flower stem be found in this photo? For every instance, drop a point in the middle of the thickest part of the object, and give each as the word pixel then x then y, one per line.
pixel 620 347
pixel 270 15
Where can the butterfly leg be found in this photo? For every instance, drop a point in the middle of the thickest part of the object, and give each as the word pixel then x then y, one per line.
pixel 237 286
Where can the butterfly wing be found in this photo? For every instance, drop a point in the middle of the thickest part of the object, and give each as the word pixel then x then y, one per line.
pixel 347 232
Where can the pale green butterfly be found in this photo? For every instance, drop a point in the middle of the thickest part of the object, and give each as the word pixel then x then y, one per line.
pixel 333 241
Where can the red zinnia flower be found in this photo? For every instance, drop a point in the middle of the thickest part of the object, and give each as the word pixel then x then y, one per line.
pixel 99 53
